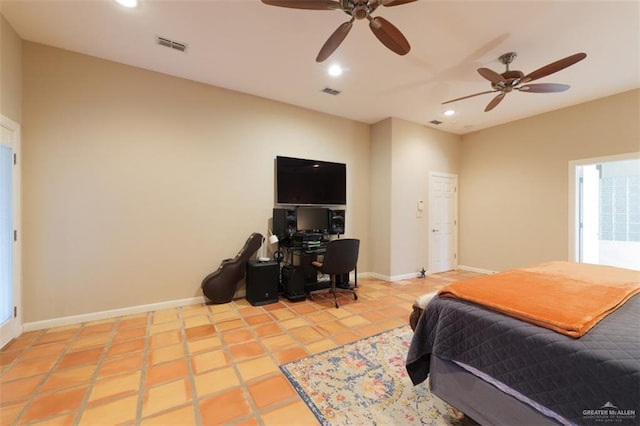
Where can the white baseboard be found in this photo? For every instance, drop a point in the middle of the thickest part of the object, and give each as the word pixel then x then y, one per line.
pixel 393 278
pixel 114 313
pixel 478 270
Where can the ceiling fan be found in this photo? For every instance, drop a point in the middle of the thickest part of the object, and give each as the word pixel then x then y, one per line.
pixel 509 80
pixel 388 34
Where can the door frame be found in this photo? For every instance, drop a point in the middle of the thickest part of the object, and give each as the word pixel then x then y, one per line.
pixel 573 200
pixel 453 176
pixel 16 328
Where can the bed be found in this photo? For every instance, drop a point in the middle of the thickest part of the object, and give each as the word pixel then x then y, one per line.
pixel 498 369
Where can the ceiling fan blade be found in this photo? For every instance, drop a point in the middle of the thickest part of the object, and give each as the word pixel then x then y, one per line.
pixel 395 2
pixel 334 41
pixel 495 101
pixel 491 75
pixel 305 4
pixel 554 67
pixel 469 96
pixel 543 88
pixel 389 35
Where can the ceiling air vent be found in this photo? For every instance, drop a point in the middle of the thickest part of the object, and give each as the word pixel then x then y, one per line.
pixel 436 122
pixel 331 91
pixel 172 44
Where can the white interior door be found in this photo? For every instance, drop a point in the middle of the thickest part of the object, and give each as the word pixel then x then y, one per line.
pixel 443 222
pixel 10 326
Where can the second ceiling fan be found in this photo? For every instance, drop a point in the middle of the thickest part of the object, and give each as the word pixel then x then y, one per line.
pixel 388 34
pixel 511 80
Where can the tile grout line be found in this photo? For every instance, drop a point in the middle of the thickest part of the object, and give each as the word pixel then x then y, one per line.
pixel 22 350
pixel 237 310
pixel 244 383
pixel 48 374
pixel 271 354
pixel 256 412
pixel 233 363
pixel 94 376
pixel 143 368
pixel 190 372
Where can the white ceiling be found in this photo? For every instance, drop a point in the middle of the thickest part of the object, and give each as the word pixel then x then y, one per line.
pixel 270 51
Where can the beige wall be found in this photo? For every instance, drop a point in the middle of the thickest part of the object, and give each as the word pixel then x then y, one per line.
pixel 137 184
pixel 404 154
pixel 10 72
pixel 514 179
pixel 381 198
pixel 417 151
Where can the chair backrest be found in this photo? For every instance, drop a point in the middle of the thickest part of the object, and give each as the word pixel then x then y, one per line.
pixel 341 256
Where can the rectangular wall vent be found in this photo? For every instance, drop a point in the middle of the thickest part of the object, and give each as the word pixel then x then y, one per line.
pixel 172 44
pixel 331 91
pixel 436 122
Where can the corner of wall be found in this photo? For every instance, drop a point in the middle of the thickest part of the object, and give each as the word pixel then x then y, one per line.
pixel 10 72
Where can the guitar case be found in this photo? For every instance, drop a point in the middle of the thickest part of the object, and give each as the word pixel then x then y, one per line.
pixel 220 285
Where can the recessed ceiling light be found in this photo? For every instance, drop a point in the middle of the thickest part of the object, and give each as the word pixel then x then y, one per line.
pixel 449 112
pixel 335 70
pixel 128 3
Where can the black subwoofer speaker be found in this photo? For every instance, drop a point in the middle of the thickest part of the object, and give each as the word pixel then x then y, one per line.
pixel 293 282
pixel 284 222
pixel 262 282
pixel 336 222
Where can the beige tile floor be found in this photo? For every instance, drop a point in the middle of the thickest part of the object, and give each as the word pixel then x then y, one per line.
pixel 199 364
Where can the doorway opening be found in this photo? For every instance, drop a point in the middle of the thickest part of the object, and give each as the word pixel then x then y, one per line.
pixel 606 211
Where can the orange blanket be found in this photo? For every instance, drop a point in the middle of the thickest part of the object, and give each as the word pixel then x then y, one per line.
pixel 569 298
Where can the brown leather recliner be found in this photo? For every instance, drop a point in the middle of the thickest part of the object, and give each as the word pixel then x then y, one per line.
pixel 220 285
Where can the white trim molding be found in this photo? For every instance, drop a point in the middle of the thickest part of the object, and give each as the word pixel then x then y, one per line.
pixel 478 270
pixel 394 277
pixel 13 328
pixel 114 313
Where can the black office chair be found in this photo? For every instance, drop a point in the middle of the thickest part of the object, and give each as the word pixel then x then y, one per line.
pixel 340 258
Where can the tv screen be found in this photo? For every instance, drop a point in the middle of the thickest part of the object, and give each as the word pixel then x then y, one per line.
pixel 310 219
pixel 300 182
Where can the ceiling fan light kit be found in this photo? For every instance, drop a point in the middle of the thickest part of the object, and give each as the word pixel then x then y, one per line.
pixel 511 80
pixel 384 31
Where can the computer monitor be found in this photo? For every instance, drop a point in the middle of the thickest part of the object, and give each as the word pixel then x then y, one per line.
pixel 312 219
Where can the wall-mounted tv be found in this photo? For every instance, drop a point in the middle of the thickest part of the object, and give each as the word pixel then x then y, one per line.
pixel 310 182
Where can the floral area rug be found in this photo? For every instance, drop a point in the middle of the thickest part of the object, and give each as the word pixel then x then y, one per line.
pixel 365 383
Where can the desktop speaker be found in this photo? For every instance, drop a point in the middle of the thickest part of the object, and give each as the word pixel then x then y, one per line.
pixel 262 282
pixel 293 282
pixel 284 222
pixel 336 222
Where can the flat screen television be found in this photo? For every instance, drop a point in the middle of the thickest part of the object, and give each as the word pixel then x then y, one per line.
pixel 310 182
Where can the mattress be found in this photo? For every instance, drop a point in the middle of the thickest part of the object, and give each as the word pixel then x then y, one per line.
pixel 590 380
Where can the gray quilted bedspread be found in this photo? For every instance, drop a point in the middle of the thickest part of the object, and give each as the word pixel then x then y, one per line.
pixel 566 375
